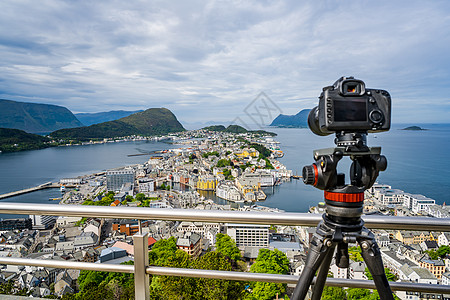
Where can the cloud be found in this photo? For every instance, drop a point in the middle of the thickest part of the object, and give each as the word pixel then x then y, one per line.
pixel 211 59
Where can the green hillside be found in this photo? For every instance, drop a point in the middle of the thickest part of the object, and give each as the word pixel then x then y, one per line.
pixel 153 121
pixel 237 129
pixel 35 118
pixel 12 140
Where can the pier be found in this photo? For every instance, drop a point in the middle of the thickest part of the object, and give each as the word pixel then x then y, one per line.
pixel 47 185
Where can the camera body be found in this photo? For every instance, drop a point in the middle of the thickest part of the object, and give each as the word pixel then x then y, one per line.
pixel 347 106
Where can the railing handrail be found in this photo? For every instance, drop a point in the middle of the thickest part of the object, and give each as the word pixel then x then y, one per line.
pixel 142 270
pixel 218 216
pixel 224 275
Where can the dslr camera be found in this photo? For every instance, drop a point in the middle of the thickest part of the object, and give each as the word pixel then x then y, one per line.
pixel 348 106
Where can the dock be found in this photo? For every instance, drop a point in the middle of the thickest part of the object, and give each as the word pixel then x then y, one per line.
pixel 47 185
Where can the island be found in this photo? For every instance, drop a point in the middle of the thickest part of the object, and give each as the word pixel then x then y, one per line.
pixel 417 128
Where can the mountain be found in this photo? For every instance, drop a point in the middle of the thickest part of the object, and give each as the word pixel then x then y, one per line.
pixel 153 121
pixel 100 117
pixel 12 140
pixel 299 120
pixel 35 118
pixel 236 129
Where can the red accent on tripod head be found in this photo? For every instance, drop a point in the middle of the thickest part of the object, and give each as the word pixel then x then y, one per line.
pixel 344 197
pixel 316 174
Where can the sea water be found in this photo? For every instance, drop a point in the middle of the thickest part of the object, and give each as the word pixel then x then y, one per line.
pixel 418 163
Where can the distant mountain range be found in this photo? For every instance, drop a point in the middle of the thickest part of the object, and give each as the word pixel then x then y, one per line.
pixel 299 120
pixel 100 117
pixel 12 140
pixel 153 121
pixel 35 118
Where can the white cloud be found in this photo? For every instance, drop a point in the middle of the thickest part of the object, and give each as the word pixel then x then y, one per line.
pixel 210 59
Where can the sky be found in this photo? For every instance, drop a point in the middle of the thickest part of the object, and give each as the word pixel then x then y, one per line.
pixel 224 60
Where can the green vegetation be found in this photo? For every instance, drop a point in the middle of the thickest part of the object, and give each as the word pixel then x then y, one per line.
pixel 263 151
pixel 268 164
pixel 165 187
pixel 439 253
pixel 106 200
pixel 390 276
pixel 333 293
pixel 227 246
pixel 273 262
pixel 12 140
pixel 81 222
pixel 104 285
pixel 354 253
pixel 153 121
pixel 227 174
pixel 208 154
pixel 223 163
pixel 8 288
pixel 35 118
pixel 165 253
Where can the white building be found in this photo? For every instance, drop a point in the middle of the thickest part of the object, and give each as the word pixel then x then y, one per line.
pixel 420 203
pixel 249 235
pixel 64 221
pixel 228 191
pixel 147 185
pixel 71 181
pixel 446 278
pixel 444 239
pixel 159 204
pixel 389 196
pixel 42 222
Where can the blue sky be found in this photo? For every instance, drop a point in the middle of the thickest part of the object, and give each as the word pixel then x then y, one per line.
pixel 208 60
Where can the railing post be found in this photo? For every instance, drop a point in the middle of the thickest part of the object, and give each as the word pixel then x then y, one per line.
pixel 141 278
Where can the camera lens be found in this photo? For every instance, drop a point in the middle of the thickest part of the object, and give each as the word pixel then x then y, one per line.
pixel 313 122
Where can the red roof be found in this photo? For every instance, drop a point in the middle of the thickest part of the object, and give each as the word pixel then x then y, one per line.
pixel 151 241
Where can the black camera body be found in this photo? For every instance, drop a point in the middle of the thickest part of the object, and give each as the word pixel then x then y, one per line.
pixel 347 106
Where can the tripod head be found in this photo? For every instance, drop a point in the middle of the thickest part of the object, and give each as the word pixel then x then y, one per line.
pixel 345 200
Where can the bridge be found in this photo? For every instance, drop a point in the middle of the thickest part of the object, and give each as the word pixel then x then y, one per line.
pixel 142 270
pixel 47 185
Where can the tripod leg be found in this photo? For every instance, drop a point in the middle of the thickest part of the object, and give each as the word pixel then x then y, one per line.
pixel 318 250
pixel 372 256
pixel 322 274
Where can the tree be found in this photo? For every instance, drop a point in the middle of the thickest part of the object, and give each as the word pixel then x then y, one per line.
pixel 333 293
pixel 390 276
pixel 215 288
pixel 357 294
pixel 272 262
pixel 227 246
pixel 140 197
pixel 432 253
pixel 223 163
pixel 355 253
pixel 443 251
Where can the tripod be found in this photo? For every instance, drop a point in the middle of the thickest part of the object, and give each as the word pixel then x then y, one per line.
pixel 342 223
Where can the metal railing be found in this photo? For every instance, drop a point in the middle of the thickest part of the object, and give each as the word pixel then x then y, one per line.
pixel 142 270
